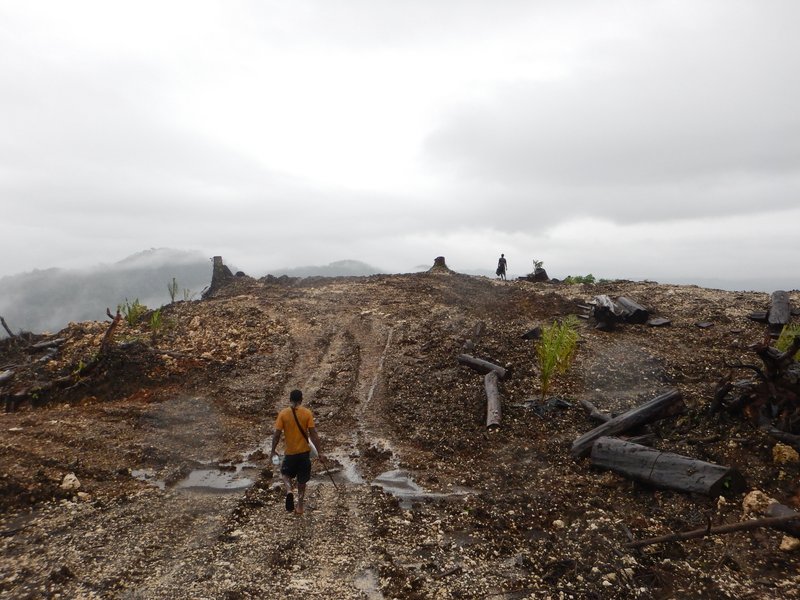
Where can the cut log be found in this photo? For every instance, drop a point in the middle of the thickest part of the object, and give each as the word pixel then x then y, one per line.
pixel 483 366
pixel 632 312
pixel 493 408
pixel 666 405
pixel 781 510
pixel 779 311
pixel 593 412
pixel 665 469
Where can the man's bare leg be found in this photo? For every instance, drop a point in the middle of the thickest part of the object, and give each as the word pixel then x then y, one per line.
pixel 301 495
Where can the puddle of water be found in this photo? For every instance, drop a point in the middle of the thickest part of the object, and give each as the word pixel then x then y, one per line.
pixel 399 484
pixel 228 478
pixel 367 583
pixel 149 476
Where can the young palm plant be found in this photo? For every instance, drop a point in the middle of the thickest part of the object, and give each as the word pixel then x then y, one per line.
pixel 556 350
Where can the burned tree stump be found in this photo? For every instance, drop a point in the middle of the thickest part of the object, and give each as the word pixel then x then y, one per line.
pixel 220 275
pixel 606 312
pixel 493 407
pixel 779 311
pixel 666 405
pixel 632 312
pixel 439 266
pixel 664 469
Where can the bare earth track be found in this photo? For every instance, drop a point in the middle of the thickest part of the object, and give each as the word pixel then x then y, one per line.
pixel 466 513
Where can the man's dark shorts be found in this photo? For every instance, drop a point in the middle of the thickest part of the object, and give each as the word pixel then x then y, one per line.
pixel 297 465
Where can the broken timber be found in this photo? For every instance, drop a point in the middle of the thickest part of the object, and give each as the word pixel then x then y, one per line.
pixel 633 312
pixel 493 410
pixel 781 510
pixel 483 366
pixel 666 405
pixel 665 469
pixel 779 311
pixel 688 535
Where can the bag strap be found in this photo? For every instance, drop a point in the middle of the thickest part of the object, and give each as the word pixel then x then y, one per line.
pixel 300 427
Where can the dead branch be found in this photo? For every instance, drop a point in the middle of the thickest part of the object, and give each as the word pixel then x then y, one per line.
pixel 720 529
pixel 5 326
pixel 593 412
pixel 108 338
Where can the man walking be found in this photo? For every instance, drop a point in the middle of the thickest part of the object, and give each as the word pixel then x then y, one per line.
pixel 501 267
pixel 297 424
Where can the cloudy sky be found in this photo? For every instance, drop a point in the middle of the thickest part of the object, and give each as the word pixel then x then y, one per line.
pixel 638 139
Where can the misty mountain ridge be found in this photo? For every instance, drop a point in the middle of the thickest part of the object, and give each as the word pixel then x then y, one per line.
pixel 339 268
pixel 48 299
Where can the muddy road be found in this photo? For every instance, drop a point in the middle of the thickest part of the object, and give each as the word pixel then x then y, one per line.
pixel 177 498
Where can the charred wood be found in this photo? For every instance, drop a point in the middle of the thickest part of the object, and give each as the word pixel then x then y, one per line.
pixel 483 366
pixel 781 510
pixel 55 343
pixel 5 326
pixel 688 535
pixel 779 311
pixel 665 469
pixel 593 412
pixel 494 411
pixel 666 405
pixel 633 312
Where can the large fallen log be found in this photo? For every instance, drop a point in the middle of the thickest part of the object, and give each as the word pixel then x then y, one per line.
pixel 779 311
pixel 483 366
pixel 632 312
pixel 688 535
pixel 493 408
pixel 665 469
pixel 666 405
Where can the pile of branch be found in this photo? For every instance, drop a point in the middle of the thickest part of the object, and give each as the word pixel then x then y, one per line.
pixel 771 399
pixel 609 313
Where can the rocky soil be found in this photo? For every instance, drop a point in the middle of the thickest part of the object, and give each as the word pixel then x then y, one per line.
pixel 173 495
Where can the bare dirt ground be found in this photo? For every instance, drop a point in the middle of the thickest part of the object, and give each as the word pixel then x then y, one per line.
pixel 177 498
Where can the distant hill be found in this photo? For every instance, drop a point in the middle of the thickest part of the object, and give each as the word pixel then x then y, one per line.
pixel 46 300
pixel 340 268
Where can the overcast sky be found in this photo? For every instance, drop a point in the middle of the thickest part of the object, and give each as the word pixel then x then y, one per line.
pixel 637 139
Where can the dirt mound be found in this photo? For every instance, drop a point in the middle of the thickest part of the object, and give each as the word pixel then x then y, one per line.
pixel 166 437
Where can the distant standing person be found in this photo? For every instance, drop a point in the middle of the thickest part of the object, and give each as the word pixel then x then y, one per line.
pixel 501 267
pixel 297 424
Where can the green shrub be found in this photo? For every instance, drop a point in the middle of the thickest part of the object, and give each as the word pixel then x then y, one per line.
pixel 132 311
pixel 788 333
pixel 556 349
pixel 580 278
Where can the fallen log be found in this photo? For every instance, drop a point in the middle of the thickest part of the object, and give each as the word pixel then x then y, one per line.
pixel 779 311
pixel 665 469
pixel 6 376
pixel 493 407
pixel 696 533
pixel 781 510
pixel 633 312
pixel 483 366
pixel 666 405
pixel 593 412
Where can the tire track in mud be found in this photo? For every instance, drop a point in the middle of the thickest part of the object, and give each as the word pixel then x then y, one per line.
pixel 332 544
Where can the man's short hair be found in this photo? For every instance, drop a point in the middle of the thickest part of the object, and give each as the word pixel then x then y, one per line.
pixel 296 396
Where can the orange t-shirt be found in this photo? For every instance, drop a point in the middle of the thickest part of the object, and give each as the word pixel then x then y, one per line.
pixel 295 442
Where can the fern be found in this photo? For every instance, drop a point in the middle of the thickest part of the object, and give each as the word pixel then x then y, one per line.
pixel 556 350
